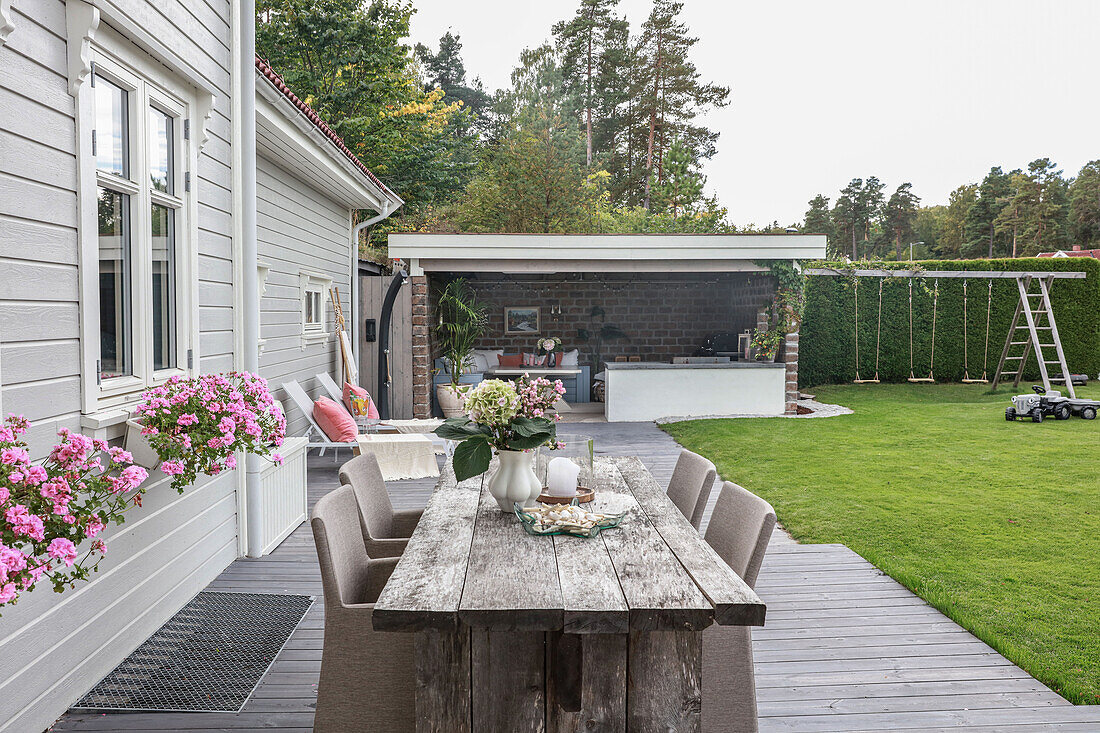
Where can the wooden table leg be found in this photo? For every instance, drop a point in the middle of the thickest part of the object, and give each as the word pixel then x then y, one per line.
pixel 664 682
pixel 509 681
pixel 586 683
pixel 442 681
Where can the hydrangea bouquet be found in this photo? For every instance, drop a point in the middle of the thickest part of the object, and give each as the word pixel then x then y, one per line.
pixel 502 416
pixel 196 425
pixel 50 514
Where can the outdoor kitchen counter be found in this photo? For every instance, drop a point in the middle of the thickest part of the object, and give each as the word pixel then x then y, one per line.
pixel 643 391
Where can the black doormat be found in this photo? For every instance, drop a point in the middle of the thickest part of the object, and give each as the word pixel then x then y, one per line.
pixel 208 657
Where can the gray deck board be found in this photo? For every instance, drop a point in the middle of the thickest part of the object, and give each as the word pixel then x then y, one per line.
pixel 844 648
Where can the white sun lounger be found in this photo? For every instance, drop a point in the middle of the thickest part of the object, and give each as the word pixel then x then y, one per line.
pixel 314 435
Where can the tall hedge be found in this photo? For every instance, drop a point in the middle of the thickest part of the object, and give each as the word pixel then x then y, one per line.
pixel 828 332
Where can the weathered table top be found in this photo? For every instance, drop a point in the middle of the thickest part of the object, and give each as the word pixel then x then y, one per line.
pixel 469 563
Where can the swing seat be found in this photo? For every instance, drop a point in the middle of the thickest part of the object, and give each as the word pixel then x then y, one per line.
pixel 967 380
pixel 922 380
pixel 866 381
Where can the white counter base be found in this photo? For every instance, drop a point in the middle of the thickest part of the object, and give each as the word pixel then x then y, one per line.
pixel 641 392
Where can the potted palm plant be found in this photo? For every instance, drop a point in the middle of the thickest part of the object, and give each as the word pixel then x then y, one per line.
pixel 462 321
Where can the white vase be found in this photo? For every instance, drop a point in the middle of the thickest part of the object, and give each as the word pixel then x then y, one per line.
pixel 515 480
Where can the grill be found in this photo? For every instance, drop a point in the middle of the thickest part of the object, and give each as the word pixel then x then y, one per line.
pixel 208 657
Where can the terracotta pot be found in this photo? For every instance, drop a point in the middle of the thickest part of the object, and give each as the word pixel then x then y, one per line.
pixel 450 401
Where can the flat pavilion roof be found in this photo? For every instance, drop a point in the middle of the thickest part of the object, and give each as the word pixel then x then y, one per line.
pixel 547 253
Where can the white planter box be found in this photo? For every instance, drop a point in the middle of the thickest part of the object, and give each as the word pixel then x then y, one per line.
pixel 283 494
pixel 139 447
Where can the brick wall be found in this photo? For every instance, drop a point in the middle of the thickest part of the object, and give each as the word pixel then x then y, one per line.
pixel 663 315
pixel 421 348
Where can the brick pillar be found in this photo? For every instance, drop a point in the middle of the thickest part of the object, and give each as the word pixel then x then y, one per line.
pixel 790 359
pixel 421 350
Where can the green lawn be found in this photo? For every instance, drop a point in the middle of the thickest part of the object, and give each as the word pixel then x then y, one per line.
pixel 996 524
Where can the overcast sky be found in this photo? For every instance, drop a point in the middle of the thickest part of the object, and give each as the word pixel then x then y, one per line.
pixel 933 92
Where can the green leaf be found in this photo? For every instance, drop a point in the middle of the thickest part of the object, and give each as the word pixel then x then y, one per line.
pixel 528 442
pixel 471 458
pixel 460 428
pixel 530 426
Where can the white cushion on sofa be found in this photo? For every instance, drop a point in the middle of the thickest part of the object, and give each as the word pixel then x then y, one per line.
pixel 571 358
pixel 485 358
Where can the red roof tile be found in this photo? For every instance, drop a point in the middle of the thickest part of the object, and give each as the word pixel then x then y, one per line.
pixel 277 81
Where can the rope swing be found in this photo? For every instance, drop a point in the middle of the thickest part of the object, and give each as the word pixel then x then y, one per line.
pixel 985 358
pixel 878 334
pixel 932 360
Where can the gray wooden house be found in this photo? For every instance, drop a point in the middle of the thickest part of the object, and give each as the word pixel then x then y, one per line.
pixel 167 206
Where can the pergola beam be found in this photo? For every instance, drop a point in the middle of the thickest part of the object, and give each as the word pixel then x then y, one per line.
pixel 948 274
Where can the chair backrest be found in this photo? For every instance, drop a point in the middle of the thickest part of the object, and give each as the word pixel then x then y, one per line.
pixel 304 404
pixel 740 529
pixel 340 550
pixel 330 387
pixel 364 476
pixel 691 484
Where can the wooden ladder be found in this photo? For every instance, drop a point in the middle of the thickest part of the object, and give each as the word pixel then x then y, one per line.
pixel 1033 325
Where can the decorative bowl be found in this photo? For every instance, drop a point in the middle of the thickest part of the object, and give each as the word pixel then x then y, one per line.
pixel 536 525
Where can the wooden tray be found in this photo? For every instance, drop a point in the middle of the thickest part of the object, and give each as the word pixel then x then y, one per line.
pixel 584 495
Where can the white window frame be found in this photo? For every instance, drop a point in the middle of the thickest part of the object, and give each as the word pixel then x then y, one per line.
pixel 149 84
pixel 314 283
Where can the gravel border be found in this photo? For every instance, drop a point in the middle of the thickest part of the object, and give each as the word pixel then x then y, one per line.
pixel 820 409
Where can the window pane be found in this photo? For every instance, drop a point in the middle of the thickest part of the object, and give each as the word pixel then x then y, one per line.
pixel 161 165
pixel 164 287
pixel 114 284
pixel 111 128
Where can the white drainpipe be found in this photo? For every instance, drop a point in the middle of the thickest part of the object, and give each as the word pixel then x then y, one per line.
pixel 387 209
pixel 250 330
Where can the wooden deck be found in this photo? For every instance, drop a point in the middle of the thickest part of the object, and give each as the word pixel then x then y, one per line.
pixel 845 647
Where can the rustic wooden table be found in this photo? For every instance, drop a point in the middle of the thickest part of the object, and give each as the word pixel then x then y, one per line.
pixel 523 633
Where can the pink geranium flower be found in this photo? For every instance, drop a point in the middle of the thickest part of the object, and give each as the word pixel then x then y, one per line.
pixel 62 549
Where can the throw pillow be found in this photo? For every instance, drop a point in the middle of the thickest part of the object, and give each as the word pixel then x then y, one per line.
pixel 570 358
pixel 335 422
pixel 485 358
pixel 353 389
pixel 510 361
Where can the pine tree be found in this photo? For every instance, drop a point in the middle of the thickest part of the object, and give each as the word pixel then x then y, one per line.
pixel 898 216
pixel 980 230
pixel 820 221
pixel 1041 207
pixel 445 70
pixel 583 45
pixel 952 237
pixel 1084 205
pixel 669 92
pixel 847 213
pixel 682 186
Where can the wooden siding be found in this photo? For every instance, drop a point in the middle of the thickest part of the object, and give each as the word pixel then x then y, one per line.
pixel 372 291
pixel 299 229
pixel 57 646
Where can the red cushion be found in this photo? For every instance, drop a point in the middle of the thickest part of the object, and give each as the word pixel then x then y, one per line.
pixel 510 360
pixel 354 389
pixel 335 422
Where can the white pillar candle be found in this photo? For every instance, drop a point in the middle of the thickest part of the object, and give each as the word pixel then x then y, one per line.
pixel 561 477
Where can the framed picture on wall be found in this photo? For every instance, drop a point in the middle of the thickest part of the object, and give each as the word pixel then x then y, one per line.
pixel 522 320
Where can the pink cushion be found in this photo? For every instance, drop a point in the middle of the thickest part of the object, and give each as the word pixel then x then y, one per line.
pixel 354 389
pixel 510 360
pixel 534 360
pixel 335 422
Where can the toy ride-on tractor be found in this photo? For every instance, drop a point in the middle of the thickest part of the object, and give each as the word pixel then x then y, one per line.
pixel 1051 403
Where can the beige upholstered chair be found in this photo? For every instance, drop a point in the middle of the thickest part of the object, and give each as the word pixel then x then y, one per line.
pixel 385 531
pixel 690 485
pixel 368 677
pixel 739 530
